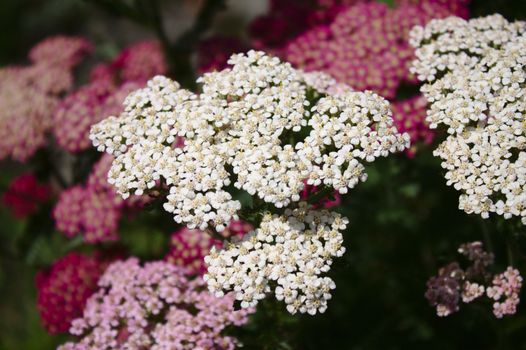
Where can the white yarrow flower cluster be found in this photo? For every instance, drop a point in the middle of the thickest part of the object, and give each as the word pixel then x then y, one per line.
pixel 286 255
pixel 266 128
pixel 237 132
pixel 475 83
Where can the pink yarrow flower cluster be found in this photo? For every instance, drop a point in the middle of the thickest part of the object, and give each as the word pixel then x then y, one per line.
pixel 366 46
pixel 93 210
pixel 64 288
pixel 454 284
pixel 25 194
pixel 505 291
pixel 29 94
pixel 287 19
pixel 154 307
pixel 188 247
pixel 104 95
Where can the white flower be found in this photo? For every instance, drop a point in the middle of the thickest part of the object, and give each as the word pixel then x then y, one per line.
pixel 261 126
pixel 289 252
pixel 475 84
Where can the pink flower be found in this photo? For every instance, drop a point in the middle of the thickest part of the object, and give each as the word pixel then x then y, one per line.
pixel 505 291
pixel 61 51
pixel 366 46
pixel 29 94
pixel 64 288
pixel 87 106
pixel 409 116
pixel 452 282
pixel 154 307
pixel 94 210
pixel 84 211
pixel 140 62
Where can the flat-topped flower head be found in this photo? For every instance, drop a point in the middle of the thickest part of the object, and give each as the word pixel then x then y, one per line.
pixel 260 126
pixel 286 255
pixel 475 83
pixel 154 307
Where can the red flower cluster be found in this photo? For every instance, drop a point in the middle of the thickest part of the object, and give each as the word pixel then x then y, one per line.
pixel 24 194
pixel 64 288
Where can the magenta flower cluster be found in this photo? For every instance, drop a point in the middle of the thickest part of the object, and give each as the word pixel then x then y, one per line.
pixel 154 307
pixel 365 46
pixel 454 283
pixel 64 288
pixel 287 19
pixel 29 94
pixel 104 94
pixel 188 247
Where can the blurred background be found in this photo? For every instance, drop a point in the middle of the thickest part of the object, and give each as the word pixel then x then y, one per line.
pixel 404 221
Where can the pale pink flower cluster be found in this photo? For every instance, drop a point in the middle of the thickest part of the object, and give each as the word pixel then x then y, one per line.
pixel 188 247
pixel 104 95
pixel 84 107
pixel 505 291
pixel 154 307
pixel 29 94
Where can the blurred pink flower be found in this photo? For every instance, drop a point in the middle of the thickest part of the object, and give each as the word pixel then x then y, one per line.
pixel 505 291
pixel 155 307
pixel 140 62
pixel 109 86
pixel 366 46
pixel 29 94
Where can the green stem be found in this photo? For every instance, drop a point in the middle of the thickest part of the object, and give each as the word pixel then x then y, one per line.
pixel 487 237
